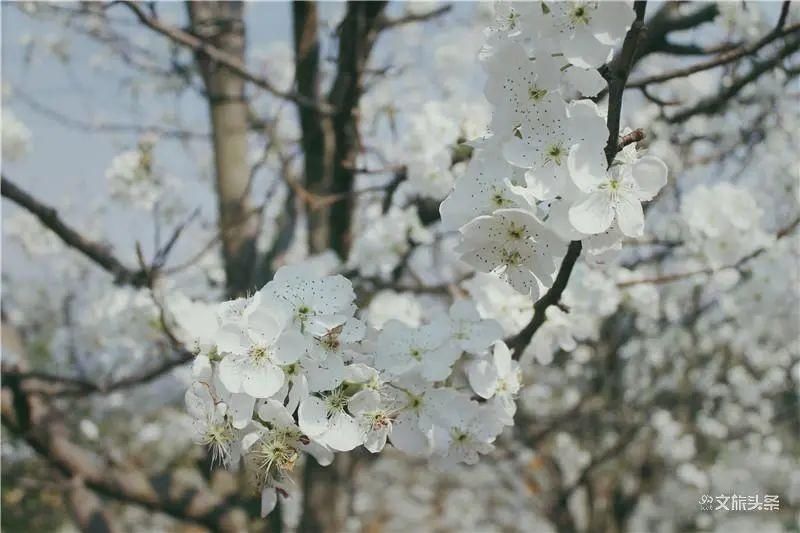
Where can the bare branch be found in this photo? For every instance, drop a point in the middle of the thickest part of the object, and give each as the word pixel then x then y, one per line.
pixel 26 415
pixel 669 278
pixel 520 341
pixel 722 59
pixel 388 23
pixel 200 46
pixel 95 251
pixel 715 103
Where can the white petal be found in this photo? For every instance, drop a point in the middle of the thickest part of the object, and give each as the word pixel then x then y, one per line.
pixel 407 437
pixel 275 413
pixel 262 381
pixel 482 378
pixel 312 416
pixel 364 401
pixel 436 364
pixel 324 375
pixel 344 433
pixel 650 174
pixel 290 346
pixel 502 359
pixel 201 368
pixel 322 454
pixel 240 407
pixel 297 393
pixel 231 339
pixel 230 373
pixel 630 215
pixel 592 215
pixel 587 166
pixel 376 440
pixel 583 50
pixel 269 499
pixel 198 400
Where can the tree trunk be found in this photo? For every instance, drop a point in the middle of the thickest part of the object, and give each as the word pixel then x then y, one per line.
pixel 222 25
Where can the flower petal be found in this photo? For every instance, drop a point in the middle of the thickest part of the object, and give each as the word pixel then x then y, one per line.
pixel 650 174
pixel 593 215
pixel 630 215
pixel 262 381
pixel 312 416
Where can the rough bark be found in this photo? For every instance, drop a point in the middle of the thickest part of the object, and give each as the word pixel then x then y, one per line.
pixel 222 25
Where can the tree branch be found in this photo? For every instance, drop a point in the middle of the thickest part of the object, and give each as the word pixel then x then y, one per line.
pixel 95 251
pixel 521 340
pixel 388 23
pixel 722 59
pixel 714 104
pixel 201 47
pixel 669 278
pixel 25 415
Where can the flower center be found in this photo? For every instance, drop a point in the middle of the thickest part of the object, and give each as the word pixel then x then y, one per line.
pixel 337 401
pixel 275 453
pixel 416 354
pixel 511 257
pixel 535 94
pixel 555 153
pixel 516 232
pixel 259 354
pixel 579 15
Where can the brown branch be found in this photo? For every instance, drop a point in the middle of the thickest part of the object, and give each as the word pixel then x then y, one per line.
pixel 98 253
pixel 520 341
pixel 388 23
pixel 55 385
pixel 617 76
pixel 87 509
pixel 26 415
pixel 716 103
pixel 232 63
pixel 635 136
pixel 669 278
pixel 722 59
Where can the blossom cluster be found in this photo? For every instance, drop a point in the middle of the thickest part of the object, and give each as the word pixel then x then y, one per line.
pixel 540 177
pixel 291 370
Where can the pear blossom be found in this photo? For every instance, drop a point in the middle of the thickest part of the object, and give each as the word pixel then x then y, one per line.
pixel 585 31
pixel 254 350
pixel 472 332
pixel 499 377
pixel 425 349
pixel 515 245
pixel 464 432
pixel 211 424
pixel 614 195
pixel 325 419
pixel 486 185
pixel 373 418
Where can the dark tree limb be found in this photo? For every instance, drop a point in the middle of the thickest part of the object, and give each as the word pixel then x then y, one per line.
pixel 204 48
pixel 722 59
pixel 520 341
pixel 387 23
pixel 96 252
pixel 25 415
pixel 716 103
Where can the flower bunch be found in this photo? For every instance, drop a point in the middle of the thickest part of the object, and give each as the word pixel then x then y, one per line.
pixel 540 177
pixel 291 370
